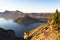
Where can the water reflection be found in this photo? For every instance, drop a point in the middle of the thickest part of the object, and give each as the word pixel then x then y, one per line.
pixel 18 28
pixel 2 20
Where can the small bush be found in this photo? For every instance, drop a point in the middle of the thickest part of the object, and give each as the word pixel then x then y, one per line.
pixel 58 37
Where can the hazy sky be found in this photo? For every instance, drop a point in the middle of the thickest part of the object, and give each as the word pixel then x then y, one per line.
pixel 30 5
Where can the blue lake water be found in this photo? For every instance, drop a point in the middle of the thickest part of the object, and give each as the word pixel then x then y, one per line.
pixel 18 28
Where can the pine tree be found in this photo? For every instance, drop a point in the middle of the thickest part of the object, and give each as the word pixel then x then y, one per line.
pixel 55 20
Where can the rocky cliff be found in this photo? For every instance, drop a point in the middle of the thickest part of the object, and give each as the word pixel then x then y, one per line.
pixel 48 31
pixel 7 34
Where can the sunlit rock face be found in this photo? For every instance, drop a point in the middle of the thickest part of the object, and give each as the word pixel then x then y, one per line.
pixel 48 31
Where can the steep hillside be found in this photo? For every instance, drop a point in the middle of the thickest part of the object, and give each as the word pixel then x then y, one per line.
pixel 26 20
pixel 29 18
pixel 49 31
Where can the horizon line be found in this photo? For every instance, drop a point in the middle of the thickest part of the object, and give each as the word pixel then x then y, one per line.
pixel 31 11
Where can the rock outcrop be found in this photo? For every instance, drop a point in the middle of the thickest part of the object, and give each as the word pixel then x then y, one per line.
pixel 7 34
pixel 48 31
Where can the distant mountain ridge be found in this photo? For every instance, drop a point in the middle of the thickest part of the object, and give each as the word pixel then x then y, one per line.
pixel 16 14
pixel 10 14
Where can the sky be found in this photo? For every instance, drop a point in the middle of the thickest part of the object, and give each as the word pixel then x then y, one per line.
pixel 30 5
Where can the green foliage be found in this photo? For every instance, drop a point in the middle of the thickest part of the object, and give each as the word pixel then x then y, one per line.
pixel 58 37
pixel 56 20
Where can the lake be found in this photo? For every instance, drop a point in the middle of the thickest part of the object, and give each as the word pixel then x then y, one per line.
pixel 18 28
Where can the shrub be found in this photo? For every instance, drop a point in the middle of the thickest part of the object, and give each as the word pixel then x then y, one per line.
pixel 58 37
